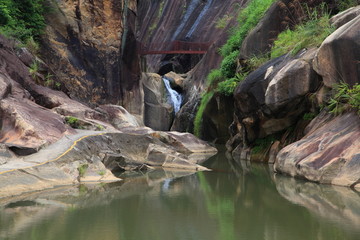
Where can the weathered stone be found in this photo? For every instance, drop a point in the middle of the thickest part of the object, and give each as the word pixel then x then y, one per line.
pixel 26 125
pixel 176 81
pixel 338 57
pixel 5 87
pixel 119 117
pixel 184 119
pixel 158 114
pixel 85 43
pixel 25 56
pixel 184 142
pixel 345 16
pixel 329 153
pixel 293 81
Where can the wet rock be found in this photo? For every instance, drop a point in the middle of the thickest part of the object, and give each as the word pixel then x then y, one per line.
pixel 184 119
pixel 345 16
pixel 329 153
pixel 158 114
pixel 217 117
pixel 338 56
pixel 176 81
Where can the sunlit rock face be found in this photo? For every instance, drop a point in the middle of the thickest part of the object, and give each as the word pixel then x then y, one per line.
pixel 91 47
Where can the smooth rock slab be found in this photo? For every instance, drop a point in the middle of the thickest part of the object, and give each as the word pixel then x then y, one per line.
pixel 329 153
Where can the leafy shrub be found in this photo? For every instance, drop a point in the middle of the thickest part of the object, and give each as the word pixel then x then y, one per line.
pixel 199 115
pixel 309 34
pixel 229 64
pixel 82 169
pixel 22 19
pixel 345 98
pixel 227 87
pixel 72 121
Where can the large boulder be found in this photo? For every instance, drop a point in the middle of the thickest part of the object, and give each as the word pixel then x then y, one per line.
pixel 292 82
pixel 329 153
pixel 345 16
pixel 158 113
pixel 25 125
pixel 339 55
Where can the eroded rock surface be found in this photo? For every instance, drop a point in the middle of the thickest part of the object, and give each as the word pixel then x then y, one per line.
pixel 329 152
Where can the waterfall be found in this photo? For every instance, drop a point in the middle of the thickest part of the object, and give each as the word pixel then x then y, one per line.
pixel 175 98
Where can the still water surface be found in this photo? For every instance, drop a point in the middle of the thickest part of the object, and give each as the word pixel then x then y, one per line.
pixel 236 201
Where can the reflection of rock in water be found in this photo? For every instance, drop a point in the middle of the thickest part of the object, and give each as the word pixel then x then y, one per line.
pixel 336 204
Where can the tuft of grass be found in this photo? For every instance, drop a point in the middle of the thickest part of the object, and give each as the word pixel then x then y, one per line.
pixel 221 23
pixel 346 4
pixel 214 77
pixel 308 34
pixel 345 98
pixel 309 116
pixel 82 169
pixel 199 114
pixel 228 86
pixel 34 70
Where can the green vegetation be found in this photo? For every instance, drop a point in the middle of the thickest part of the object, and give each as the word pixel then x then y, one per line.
pixel 309 34
pixel 34 70
pixel 22 19
pixel 309 116
pixel 345 4
pixel 198 118
pixel 225 79
pixel 345 98
pixel 247 19
pixel 262 144
pixel 82 169
pixel 102 172
pixel 214 77
pixel 72 121
pixel 222 22
pixel 228 86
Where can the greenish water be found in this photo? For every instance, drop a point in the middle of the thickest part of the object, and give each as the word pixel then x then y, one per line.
pixel 236 201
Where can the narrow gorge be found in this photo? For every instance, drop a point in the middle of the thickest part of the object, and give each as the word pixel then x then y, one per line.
pixel 226 114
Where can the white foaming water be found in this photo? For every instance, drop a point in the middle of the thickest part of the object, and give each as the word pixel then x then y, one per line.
pixel 175 98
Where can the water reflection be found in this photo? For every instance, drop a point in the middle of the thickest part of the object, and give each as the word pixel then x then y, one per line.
pixel 235 201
